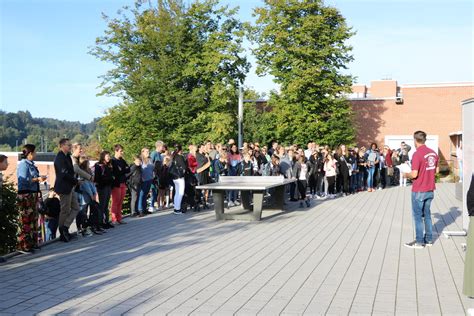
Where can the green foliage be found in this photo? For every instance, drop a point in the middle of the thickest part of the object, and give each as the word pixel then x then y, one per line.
pixel 302 44
pixel 21 126
pixel 8 218
pixel 177 70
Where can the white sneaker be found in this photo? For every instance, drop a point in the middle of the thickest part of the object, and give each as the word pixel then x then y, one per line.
pixel 151 209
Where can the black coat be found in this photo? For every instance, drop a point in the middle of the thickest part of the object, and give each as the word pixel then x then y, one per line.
pixel 135 177
pixel 65 178
pixel 103 175
pixel 120 171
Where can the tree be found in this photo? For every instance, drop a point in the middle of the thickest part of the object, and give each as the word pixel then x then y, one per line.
pixel 172 65
pixel 303 45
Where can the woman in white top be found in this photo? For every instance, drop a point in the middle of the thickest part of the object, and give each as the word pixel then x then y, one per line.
pixel 330 170
pixel 302 170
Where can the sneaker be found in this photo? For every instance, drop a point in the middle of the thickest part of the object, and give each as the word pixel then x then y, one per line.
pixel 237 203
pixel 177 212
pixel 308 203
pixel 230 204
pixel 87 232
pixel 413 244
pixel 428 244
pixel 151 209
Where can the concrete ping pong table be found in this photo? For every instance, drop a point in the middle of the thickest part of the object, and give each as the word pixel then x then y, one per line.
pixel 250 185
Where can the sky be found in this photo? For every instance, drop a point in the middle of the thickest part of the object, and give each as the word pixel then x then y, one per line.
pixel 45 67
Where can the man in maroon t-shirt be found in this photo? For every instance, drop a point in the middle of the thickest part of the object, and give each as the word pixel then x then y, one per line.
pixel 423 165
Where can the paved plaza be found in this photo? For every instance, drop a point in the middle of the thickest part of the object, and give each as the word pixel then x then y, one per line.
pixel 339 257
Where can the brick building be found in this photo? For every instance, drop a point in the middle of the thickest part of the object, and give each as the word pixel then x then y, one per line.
pixel 44 163
pixel 387 113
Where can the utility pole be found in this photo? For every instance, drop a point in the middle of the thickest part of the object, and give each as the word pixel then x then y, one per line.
pixel 240 118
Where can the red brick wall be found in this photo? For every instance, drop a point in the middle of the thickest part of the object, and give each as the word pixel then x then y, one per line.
pixel 45 168
pixel 434 109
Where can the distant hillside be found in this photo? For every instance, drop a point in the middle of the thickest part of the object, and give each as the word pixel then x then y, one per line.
pixel 21 127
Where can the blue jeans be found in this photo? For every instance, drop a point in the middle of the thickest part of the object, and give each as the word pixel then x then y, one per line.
pixel 143 195
pixel 421 202
pixel 370 178
pixel 354 182
pixel 51 225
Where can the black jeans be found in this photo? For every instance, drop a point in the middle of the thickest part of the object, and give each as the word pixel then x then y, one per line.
pixel 104 199
pixel 302 186
pixel 332 185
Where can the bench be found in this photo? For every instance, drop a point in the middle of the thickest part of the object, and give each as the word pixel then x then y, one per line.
pixel 255 186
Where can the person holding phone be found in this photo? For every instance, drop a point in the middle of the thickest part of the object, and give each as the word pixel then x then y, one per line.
pixel 29 197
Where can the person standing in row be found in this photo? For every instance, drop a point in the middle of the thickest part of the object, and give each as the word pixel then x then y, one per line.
pixel 178 170
pixel 119 186
pixel 134 183
pixel 103 178
pixel 147 180
pixel 157 160
pixel 64 186
pixel 424 163
pixel 28 198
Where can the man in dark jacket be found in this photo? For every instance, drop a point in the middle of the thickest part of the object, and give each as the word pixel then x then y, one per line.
pixel 64 186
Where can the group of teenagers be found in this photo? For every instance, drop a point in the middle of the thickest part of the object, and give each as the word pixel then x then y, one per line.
pixel 92 194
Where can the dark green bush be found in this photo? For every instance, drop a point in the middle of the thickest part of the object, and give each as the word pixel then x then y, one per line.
pixel 8 218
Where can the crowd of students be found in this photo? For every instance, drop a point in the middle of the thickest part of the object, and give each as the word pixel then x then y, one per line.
pixel 93 194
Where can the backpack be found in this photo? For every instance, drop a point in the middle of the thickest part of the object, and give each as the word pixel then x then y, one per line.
pixel 176 170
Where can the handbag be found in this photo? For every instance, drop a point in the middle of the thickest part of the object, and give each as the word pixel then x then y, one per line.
pixel 41 206
pixel 390 171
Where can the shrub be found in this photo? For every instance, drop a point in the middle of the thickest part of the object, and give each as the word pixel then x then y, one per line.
pixel 8 218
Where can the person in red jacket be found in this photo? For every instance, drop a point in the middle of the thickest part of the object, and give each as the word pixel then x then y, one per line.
pixel 387 152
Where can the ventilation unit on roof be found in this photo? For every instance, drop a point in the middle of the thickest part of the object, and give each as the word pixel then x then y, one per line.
pixel 399 100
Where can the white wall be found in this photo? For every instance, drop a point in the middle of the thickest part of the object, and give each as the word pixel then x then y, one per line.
pixel 468 153
pixel 394 141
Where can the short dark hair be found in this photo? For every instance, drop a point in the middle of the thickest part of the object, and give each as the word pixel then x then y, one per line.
pixel 420 137
pixel 27 149
pixel 3 158
pixel 63 141
pixel 117 147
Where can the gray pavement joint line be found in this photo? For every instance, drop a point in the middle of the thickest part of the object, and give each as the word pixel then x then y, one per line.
pixel 219 242
pixel 159 272
pixel 446 255
pixel 96 241
pixel 385 255
pixel 119 245
pixel 449 267
pixel 459 249
pixel 320 215
pixel 359 199
pixel 414 267
pixel 349 220
pixel 399 256
pixel 340 254
pixel 265 232
pixel 77 294
pixel 381 199
pixel 335 219
pixel 434 279
pixel 296 222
